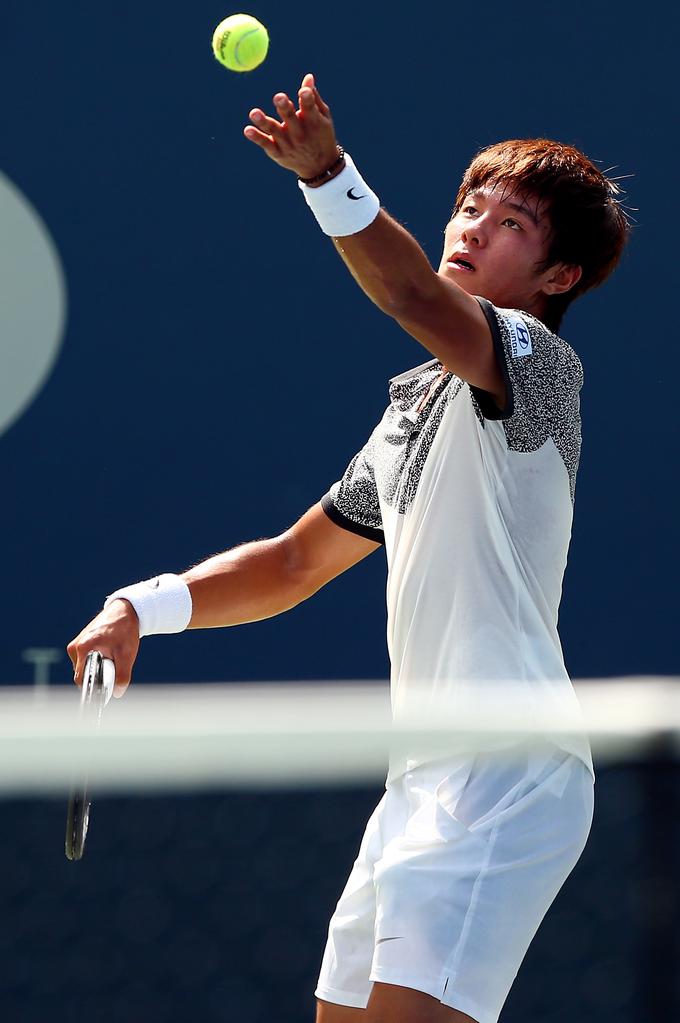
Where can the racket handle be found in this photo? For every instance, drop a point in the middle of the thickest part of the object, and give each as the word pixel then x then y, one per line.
pixel 108 678
pixel 106 669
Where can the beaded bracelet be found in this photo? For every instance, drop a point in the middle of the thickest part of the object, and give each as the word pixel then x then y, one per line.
pixel 327 173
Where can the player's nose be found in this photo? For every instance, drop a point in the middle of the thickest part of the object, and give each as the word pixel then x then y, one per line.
pixel 474 234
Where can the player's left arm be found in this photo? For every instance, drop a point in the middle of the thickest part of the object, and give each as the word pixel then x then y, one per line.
pixel 384 259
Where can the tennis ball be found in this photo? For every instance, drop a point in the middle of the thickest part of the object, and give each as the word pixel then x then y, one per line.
pixel 240 42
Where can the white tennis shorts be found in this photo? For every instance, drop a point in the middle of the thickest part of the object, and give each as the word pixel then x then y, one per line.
pixel 459 864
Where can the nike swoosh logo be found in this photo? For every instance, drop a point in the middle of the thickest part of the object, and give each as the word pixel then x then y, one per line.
pixel 398 937
pixel 350 196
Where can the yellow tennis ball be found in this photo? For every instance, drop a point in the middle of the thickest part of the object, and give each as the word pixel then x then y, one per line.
pixel 240 42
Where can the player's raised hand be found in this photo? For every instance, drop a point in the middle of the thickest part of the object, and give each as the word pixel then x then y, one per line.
pixel 302 140
pixel 115 633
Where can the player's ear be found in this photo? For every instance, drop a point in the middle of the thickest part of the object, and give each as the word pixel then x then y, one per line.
pixel 561 278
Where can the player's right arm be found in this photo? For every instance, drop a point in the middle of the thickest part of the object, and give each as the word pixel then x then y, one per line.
pixel 263 578
pixel 245 584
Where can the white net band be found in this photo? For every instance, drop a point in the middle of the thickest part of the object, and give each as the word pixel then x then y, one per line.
pixel 172 737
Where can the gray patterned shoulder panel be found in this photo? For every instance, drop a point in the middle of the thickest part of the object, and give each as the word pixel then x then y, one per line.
pixel 543 377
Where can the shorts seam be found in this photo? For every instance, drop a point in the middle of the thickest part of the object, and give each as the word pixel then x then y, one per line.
pixel 456 1000
pixel 451 963
pixel 434 988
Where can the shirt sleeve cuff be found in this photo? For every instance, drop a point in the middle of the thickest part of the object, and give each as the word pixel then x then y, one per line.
pixel 487 405
pixel 336 516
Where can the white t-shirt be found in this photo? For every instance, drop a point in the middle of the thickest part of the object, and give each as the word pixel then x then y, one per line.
pixel 474 506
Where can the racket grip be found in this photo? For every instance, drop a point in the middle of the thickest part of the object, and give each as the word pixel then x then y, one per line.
pixel 108 678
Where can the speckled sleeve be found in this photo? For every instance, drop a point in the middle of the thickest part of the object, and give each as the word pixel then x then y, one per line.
pixel 543 377
pixel 352 502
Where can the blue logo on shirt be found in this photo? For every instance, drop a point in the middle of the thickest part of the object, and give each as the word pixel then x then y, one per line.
pixel 522 336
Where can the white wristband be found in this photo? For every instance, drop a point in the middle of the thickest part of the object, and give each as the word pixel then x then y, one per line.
pixel 163 604
pixel 345 204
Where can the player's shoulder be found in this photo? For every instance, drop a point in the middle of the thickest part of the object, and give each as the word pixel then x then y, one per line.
pixel 526 337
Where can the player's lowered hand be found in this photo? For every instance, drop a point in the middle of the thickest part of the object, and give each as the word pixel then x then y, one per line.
pixel 115 633
pixel 302 140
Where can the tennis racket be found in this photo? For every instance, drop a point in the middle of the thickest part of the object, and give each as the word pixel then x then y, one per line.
pixel 96 691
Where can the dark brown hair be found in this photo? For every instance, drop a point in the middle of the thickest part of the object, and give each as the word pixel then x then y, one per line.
pixel 588 225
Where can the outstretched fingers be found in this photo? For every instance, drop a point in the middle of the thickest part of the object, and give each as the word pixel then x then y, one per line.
pixel 262 140
pixel 299 139
pixel 268 125
pixel 308 108
pixel 285 108
pixel 267 132
pixel 275 137
pixel 309 82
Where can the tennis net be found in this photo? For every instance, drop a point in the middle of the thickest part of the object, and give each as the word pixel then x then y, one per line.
pixel 227 735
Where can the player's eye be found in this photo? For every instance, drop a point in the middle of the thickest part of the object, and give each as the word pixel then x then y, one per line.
pixel 469 209
pixel 509 220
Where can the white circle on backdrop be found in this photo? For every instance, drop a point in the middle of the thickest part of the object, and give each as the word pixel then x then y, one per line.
pixel 32 303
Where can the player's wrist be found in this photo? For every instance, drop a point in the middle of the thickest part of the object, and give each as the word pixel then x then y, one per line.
pixel 329 177
pixel 162 605
pixel 331 170
pixel 344 205
pixel 120 607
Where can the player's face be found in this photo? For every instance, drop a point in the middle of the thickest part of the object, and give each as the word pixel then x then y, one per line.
pixel 493 246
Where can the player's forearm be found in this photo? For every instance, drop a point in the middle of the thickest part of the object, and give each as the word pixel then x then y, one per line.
pixel 246 584
pixel 387 263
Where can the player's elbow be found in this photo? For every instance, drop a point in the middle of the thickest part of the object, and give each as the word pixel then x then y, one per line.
pixel 396 293
pixel 405 300
pixel 297 569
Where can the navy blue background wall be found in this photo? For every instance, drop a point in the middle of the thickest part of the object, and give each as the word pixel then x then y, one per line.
pixel 220 367
pixel 237 365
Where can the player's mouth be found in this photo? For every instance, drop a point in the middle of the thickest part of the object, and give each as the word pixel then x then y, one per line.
pixel 461 263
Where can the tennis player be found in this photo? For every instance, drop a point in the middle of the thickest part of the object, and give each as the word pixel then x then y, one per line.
pixel 468 482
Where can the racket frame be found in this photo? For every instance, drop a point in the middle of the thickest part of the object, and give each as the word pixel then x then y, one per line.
pixel 96 691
